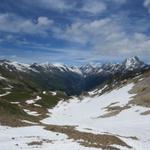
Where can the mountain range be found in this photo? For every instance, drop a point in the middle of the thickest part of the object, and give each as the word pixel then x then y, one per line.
pixel 70 79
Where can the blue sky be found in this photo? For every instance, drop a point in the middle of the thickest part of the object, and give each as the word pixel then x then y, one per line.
pixel 74 31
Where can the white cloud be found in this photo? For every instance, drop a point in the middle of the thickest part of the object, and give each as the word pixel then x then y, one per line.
pixel 119 1
pixel 90 31
pixel 98 6
pixel 90 6
pixel 147 4
pixel 94 6
pixel 60 5
pixel 44 21
pixel 106 36
pixel 15 24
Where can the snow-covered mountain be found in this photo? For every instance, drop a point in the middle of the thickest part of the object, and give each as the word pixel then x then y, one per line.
pixel 71 79
pixel 47 67
pixel 130 64
pixel 133 63
pixel 14 66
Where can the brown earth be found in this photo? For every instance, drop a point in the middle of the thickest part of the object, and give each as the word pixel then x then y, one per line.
pixel 104 141
pixel 114 110
pixel 142 91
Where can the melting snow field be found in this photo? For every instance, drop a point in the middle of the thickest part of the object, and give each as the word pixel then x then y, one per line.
pixel 85 114
pixel 21 138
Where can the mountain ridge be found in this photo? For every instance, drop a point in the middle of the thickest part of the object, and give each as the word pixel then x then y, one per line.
pixel 71 79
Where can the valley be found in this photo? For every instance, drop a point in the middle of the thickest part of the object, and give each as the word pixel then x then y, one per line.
pixel 86 108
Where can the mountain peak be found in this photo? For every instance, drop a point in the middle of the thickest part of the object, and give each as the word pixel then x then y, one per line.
pixel 133 62
pixel 133 59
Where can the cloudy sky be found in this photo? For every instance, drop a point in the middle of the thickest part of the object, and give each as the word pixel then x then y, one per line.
pixel 74 31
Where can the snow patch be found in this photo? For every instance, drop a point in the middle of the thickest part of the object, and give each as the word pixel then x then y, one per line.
pixel 32 113
pixel 1 95
pixel 15 103
pixel 53 93
pixel 97 91
pixel 2 78
pixel 32 101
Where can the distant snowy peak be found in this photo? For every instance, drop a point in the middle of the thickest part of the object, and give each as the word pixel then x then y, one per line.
pixel 129 64
pixel 56 67
pixel 87 68
pixel 15 66
pixel 99 69
pixel 133 63
pixel 91 68
pixel 75 70
pixel 64 68
pixel 111 67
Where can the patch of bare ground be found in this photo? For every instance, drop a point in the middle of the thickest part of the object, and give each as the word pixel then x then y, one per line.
pixel 17 121
pixel 146 112
pixel 39 143
pixel 113 110
pixel 11 115
pixel 142 91
pixel 11 121
pixel 35 143
pixel 104 141
pixel 40 110
pixel 128 137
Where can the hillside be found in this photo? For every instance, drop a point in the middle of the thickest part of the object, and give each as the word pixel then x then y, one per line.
pixel 110 109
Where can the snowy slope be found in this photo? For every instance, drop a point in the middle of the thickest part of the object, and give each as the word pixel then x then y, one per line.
pixel 86 115
pixel 99 112
pixel 20 138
